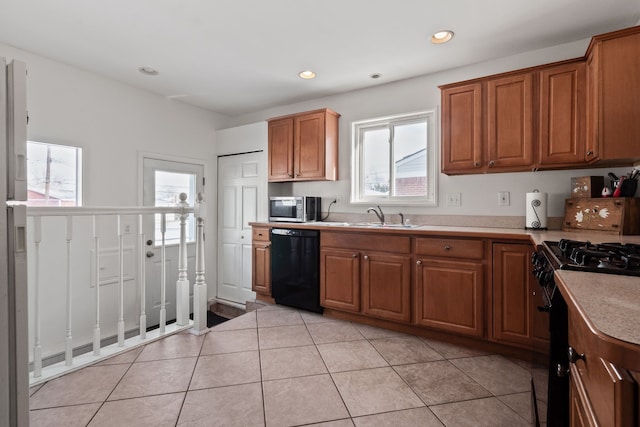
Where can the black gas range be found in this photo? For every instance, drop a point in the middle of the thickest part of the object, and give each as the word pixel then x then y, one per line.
pixel 577 255
pixel 609 258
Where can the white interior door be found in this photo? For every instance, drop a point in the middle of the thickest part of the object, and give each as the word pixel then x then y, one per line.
pixel 163 181
pixel 241 195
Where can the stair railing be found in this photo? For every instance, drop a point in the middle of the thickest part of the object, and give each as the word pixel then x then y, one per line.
pixel 100 219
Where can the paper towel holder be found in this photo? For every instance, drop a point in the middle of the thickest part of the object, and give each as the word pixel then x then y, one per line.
pixel 535 224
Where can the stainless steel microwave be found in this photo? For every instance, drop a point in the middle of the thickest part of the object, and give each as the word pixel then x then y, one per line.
pixel 294 209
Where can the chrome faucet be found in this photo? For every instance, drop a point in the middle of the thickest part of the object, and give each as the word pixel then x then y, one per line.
pixel 378 213
pixel 401 218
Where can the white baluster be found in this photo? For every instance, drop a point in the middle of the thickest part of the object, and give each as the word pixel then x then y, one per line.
pixel 199 287
pixel 142 278
pixel 96 260
pixel 121 282
pixel 68 353
pixel 37 349
pixel 182 285
pixel 163 275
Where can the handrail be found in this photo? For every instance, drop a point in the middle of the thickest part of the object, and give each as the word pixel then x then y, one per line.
pixel 183 210
pixel 105 210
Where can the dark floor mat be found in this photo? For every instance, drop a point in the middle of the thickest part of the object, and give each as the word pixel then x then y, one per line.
pixel 213 319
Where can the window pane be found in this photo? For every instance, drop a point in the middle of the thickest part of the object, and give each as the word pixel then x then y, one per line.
pixel 169 185
pixel 410 159
pixel 54 176
pixel 375 146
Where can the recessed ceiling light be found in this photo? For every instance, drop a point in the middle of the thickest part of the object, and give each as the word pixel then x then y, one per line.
pixel 306 74
pixel 442 36
pixel 375 76
pixel 148 71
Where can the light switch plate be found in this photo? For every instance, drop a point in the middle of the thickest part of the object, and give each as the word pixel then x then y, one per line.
pixel 454 199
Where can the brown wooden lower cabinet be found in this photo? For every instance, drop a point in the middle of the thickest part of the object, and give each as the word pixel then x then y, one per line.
pixel 449 295
pixel 386 286
pixel 340 279
pixel 261 261
pixel 602 393
pixel 516 298
pixel 580 413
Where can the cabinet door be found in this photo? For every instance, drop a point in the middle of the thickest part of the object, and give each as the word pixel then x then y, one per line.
pixel 619 109
pixel 462 129
pixel 449 296
pixel 562 115
pixel 580 413
pixel 309 146
pixel 386 286
pixel 512 307
pixel 593 96
pixel 340 279
pixel 510 122
pixel 281 150
pixel 261 270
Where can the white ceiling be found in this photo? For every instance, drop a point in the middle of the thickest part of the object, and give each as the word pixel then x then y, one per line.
pixel 240 56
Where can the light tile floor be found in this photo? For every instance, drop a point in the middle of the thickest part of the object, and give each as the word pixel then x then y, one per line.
pixel 282 367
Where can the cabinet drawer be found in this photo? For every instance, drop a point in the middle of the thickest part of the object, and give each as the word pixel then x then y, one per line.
pixel 454 248
pixel 365 241
pixel 260 234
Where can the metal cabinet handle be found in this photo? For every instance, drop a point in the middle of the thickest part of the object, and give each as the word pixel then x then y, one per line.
pixel 491 163
pixel 447 248
pixel 366 257
pixel 419 262
pixel 354 256
pixel 562 371
pixel 476 164
pixel 589 153
pixel 149 254
pixel 574 356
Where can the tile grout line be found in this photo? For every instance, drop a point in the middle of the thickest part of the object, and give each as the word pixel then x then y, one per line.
pixel 329 372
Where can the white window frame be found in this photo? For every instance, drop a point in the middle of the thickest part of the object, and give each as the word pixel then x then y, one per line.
pixel 79 173
pixel 357 180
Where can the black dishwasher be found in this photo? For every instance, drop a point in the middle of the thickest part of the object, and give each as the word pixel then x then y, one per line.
pixel 295 268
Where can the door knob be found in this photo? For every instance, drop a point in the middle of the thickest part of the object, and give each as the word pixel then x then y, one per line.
pixel 150 254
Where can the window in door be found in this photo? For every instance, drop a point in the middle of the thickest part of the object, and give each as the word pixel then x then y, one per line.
pixel 54 174
pixel 168 186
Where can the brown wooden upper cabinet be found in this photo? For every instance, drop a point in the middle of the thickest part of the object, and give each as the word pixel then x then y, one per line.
pixel 563 115
pixel 304 146
pixel 510 122
pixel 613 74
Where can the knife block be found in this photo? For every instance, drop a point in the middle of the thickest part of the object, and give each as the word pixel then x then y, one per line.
pixel 611 215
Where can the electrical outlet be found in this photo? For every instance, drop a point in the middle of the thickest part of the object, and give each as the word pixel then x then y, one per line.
pixel 337 198
pixel 503 198
pixel 454 199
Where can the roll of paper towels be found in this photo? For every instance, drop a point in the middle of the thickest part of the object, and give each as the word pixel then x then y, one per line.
pixel 536 210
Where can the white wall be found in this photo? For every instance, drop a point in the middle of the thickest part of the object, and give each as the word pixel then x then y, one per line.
pixel 112 122
pixel 479 192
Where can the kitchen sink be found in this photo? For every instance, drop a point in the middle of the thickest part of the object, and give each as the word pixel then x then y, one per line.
pixel 366 224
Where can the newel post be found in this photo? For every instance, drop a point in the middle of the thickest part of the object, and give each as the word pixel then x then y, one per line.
pixel 199 287
pixel 182 285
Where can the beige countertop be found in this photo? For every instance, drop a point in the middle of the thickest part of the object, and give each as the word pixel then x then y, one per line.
pixel 610 302
pixel 535 236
